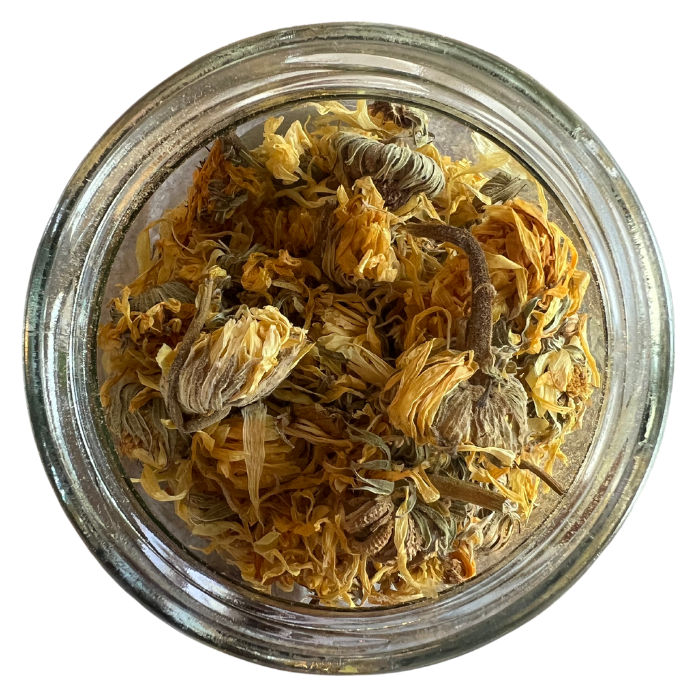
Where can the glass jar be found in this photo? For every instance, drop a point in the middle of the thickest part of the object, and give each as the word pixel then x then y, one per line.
pixel 167 127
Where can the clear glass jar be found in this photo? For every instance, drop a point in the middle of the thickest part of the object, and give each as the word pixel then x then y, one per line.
pixel 147 145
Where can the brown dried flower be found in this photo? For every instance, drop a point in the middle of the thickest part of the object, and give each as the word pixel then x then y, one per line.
pixel 236 365
pixel 397 172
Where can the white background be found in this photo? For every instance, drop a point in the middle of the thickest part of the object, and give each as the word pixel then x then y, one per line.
pixel 629 627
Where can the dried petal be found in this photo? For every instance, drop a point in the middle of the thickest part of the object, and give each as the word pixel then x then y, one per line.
pixel 254 424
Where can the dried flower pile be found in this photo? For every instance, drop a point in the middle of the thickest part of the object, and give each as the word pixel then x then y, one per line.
pixel 348 360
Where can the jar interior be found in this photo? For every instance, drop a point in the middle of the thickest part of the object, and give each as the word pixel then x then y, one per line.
pixel 453 137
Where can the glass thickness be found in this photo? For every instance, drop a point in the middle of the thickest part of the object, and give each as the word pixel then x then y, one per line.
pixel 170 124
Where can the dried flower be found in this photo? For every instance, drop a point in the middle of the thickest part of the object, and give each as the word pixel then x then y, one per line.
pixel 236 365
pixel 170 290
pixel 142 434
pixel 398 172
pixel 495 416
pixel 413 120
pixel 359 246
pixel 281 154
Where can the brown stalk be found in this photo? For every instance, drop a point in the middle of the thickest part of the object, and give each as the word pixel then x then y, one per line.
pixel 467 493
pixel 480 326
pixel 542 474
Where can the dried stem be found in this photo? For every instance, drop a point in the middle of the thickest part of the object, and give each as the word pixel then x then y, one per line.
pixel 467 493
pixel 480 327
pixel 542 474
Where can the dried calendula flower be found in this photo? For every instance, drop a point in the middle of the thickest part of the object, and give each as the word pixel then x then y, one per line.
pixel 413 120
pixel 349 361
pixel 236 365
pixel 360 246
pixel 491 410
pixel 169 290
pixel 424 379
pixel 260 270
pixel 140 427
pixel 281 154
pixel 495 416
pixel 398 172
